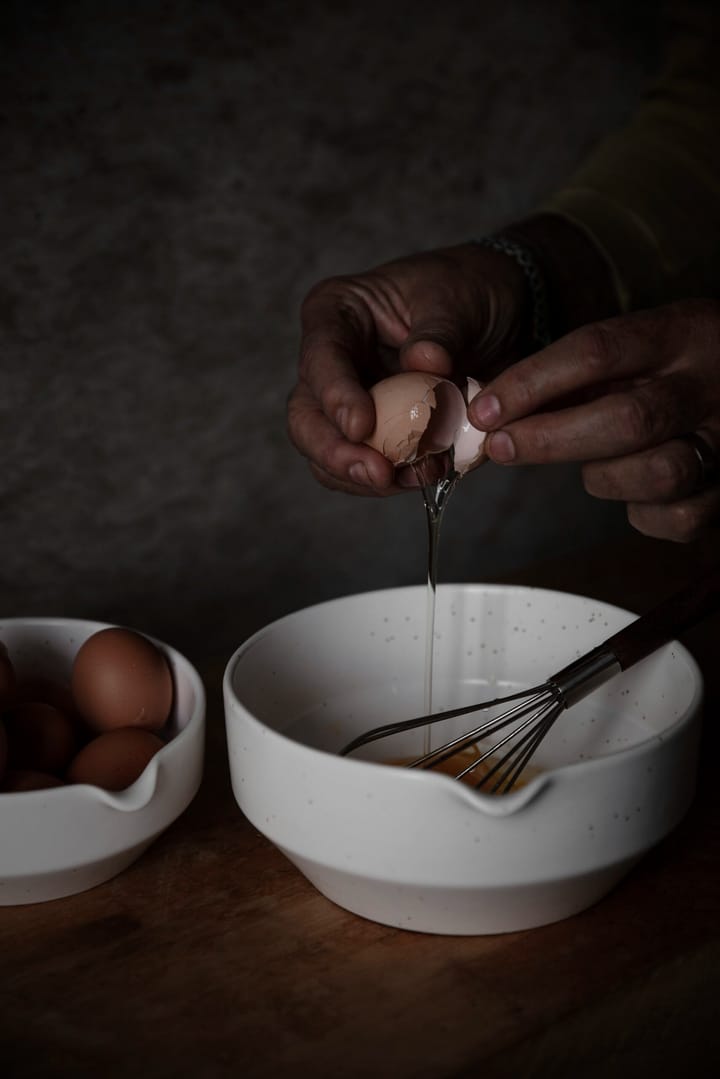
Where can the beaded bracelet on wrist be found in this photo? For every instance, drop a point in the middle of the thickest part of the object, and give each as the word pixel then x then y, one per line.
pixel 535 280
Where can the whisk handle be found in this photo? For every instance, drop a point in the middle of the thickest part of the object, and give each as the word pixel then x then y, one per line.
pixel 664 622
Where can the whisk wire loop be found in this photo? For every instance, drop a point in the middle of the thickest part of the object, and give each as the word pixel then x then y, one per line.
pixel 388 729
pixel 512 764
pixel 537 709
pixel 514 715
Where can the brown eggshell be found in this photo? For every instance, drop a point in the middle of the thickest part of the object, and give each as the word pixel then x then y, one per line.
pixel 115 759
pixel 469 442
pixel 40 738
pixel 120 679
pixel 23 779
pixel 416 413
pixel 7 679
pixel 3 750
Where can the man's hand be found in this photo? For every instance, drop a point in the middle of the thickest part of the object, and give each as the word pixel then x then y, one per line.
pixel 622 396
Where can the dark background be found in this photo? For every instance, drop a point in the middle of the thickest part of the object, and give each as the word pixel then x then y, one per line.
pixel 174 177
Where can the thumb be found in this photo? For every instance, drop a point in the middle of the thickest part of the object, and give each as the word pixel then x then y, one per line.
pixel 424 354
pixel 436 341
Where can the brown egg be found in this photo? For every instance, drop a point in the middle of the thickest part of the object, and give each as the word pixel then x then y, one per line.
pixel 415 413
pixel 418 414
pixel 120 679
pixel 40 738
pixel 115 759
pixel 7 679
pixel 24 779
pixel 59 696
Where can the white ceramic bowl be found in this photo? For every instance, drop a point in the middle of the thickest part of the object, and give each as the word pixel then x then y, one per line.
pixel 419 850
pixel 64 840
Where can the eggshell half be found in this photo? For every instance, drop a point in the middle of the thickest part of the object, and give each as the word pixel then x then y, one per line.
pixel 469 442
pixel 403 406
pixel 417 414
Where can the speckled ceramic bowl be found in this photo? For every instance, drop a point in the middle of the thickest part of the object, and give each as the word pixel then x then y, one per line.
pixel 64 840
pixel 419 850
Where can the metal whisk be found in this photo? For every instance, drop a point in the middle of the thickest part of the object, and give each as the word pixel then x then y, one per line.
pixel 536 709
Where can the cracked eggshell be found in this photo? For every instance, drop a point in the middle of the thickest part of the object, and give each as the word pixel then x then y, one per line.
pixel 469 442
pixel 417 414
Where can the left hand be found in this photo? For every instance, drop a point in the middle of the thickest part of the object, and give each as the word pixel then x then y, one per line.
pixel 622 396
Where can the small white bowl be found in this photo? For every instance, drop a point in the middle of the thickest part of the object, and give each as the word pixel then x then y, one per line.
pixel 63 840
pixel 419 850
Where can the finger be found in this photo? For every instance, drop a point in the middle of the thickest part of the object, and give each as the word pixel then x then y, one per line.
pixel 328 370
pixel 611 426
pixel 665 474
pixel 424 354
pixel 337 340
pixel 682 522
pixel 333 484
pixel 317 438
pixel 439 332
pixel 435 338
pixel 597 354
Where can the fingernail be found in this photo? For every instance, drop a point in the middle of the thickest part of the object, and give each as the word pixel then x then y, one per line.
pixel 501 448
pixel 427 356
pixel 359 474
pixel 341 418
pixel 485 410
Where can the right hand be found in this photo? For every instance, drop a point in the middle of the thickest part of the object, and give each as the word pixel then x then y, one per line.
pixel 454 311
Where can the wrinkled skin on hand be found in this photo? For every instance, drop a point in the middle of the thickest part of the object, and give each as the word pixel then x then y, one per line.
pixel 620 396
pixel 453 311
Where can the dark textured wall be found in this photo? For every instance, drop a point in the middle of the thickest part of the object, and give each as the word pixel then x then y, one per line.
pixel 174 176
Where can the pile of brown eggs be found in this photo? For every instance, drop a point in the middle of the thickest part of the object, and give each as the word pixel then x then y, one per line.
pixel 101 729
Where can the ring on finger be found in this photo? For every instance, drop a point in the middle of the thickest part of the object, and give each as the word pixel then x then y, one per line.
pixel 707 458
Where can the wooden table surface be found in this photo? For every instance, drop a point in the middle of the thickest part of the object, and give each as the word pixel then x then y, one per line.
pixel 213 957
